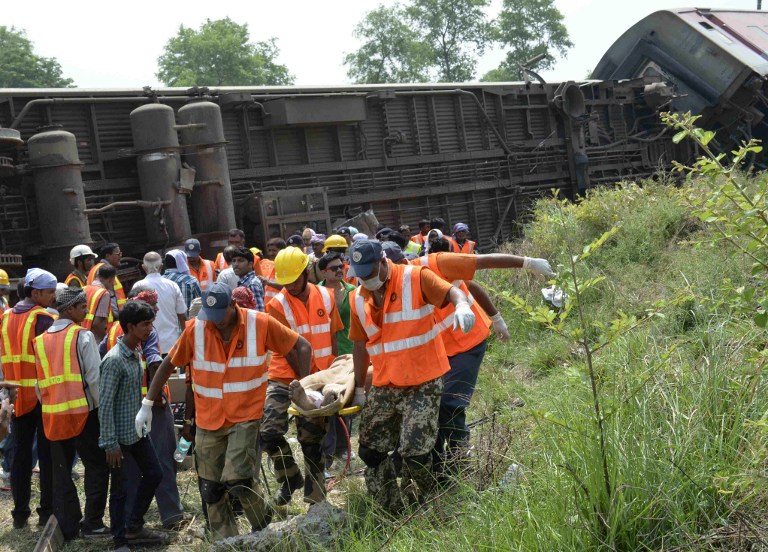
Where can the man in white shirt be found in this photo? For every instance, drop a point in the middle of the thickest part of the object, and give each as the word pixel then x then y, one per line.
pixel 172 310
pixel 228 276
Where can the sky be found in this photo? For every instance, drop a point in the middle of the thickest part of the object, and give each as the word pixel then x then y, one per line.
pixel 103 44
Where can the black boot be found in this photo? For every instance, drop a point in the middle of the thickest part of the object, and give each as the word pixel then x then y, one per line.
pixel 283 495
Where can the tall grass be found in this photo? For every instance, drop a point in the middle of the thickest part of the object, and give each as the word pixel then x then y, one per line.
pixel 684 402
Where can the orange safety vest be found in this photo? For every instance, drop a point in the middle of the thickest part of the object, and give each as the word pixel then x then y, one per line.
pixel 118 289
pixel 468 247
pixel 74 277
pixel 220 263
pixel 206 275
pixel 60 380
pixel 114 333
pixel 419 239
pixel 311 321
pixel 457 342
pixel 93 295
pixel 18 356
pixel 270 292
pixel 230 386
pixel 349 279
pixel 405 350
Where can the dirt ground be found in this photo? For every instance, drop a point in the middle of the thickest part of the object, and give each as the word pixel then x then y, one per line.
pixel 191 538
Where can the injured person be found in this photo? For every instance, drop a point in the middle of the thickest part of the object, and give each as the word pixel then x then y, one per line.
pixel 326 392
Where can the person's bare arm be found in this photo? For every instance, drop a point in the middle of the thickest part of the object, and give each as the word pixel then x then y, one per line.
pixel 99 327
pixel 189 414
pixel 360 361
pixel 482 298
pixel 300 357
pixel 182 321
pixel 499 260
pixel 334 345
pixel 160 378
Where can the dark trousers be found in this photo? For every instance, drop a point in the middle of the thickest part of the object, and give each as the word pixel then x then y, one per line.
pixel 167 493
pixel 335 440
pixel 143 453
pixel 66 504
pixel 24 428
pixel 460 382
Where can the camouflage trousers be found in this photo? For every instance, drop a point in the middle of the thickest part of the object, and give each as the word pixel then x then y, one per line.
pixel 406 418
pixel 311 432
pixel 228 462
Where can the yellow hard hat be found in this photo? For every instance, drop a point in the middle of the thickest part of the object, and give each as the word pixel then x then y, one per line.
pixel 255 251
pixel 335 241
pixel 289 264
pixel 4 281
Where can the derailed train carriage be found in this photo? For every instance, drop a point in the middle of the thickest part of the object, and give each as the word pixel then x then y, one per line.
pixel 149 168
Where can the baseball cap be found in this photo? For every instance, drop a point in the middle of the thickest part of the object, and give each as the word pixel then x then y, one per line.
pixel 383 233
pixel 392 251
pixel 216 300
pixel 363 255
pixel 37 278
pixel 192 248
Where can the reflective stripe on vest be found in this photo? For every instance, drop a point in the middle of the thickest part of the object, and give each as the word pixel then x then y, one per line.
pixel 406 349
pixel 93 295
pixel 456 341
pixel 218 381
pixel 117 288
pixel 220 263
pixel 205 274
pixel 18 357
pixel 313 322
pixel 72 276
pixel 64 404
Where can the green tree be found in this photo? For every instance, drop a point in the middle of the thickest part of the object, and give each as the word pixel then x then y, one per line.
pixel 437 40
pixel 20 67
pixel 529 28
pixel 391 50
pixel 220 54
pixel 456 31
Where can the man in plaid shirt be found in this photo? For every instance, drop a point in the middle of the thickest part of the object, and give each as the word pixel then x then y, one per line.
pixel 177 270
pixel 242 265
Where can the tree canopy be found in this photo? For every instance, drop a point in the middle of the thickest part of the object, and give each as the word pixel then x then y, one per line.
pixel 220 54
pixel 441 40
pixel 20 67
pixel 528 28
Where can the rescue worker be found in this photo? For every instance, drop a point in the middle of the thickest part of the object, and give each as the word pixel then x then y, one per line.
pixel 67 362
pixel 237 238
pixel 20 325
pixel 466 352
pixel 267 267
pixel 5 285
pixel 200 268
pixel 420 239
pixel 460 242
pixel 111 255
pixel 226 348
pixel 228 276
pixel 336 243
pixel 82 259
pixel 410 249
pixel 393 326
pixel 310 311
pixel 99 318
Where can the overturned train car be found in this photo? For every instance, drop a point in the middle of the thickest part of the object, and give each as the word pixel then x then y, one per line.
pixel 148 168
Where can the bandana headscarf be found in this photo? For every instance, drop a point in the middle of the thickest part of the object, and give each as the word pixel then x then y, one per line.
pixel 438 235
pixel 148 296
pixel 243 297
pixel 317 238
pixel 181 260
pixel 68 297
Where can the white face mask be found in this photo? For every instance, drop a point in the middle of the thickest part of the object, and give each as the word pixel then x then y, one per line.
pixel 374 283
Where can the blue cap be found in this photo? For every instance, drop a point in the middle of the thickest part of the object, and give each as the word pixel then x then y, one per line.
pixel 37 278
pixel 392 251
pixel 363 255
pixel 192 248
pixel 216 300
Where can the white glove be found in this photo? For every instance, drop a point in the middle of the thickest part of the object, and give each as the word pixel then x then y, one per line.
pixel 463 317
pixel 144 418
pixel 500 327
pixel 359 398
pixel 540 267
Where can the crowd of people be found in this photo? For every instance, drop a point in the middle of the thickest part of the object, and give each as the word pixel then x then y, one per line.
pixel 85 369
